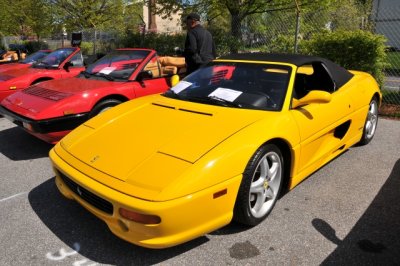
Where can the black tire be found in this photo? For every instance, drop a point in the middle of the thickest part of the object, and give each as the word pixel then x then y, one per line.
pixel 252 206
pixel 39 81
pixel 102 106
pixel 371 122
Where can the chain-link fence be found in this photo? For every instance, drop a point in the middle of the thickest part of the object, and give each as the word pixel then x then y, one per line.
pixel 278 31
pixel 287 30
pixel 387 23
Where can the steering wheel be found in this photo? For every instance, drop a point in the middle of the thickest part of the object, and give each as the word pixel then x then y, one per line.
pixel 269 99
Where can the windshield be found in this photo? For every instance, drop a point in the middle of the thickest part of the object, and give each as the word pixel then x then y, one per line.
pixel 35 57
pixel 55 58
pixel 240 85
pixel 117 65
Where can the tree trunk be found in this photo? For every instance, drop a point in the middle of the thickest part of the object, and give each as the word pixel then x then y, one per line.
pixel 236 32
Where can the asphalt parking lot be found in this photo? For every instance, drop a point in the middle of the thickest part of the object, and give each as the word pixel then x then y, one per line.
pixel 347 213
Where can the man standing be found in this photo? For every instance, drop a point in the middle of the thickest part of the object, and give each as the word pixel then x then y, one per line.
pixel 199 44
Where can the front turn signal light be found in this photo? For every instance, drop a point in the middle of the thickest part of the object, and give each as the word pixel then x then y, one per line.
pixel 13 87
pixel 139 217
pixel 69 112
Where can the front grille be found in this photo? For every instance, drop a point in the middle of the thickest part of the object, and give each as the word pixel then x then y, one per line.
pixel 46 93
pixel 86 195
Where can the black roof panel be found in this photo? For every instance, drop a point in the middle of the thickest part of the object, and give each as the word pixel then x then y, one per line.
pixel 339 74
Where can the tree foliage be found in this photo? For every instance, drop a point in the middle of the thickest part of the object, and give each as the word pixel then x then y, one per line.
pixel 237 11
pixel 25 18
pixel 89 13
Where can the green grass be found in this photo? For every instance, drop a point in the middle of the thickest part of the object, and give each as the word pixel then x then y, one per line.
pixel 393 59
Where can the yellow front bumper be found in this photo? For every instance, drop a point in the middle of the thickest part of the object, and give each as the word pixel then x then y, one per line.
pixel 182 219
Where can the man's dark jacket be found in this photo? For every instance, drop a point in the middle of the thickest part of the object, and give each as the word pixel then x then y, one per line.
pixel 199 48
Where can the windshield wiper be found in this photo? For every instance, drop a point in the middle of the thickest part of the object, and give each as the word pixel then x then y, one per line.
pixel 224 102
pixel 172 94
pixel 86 74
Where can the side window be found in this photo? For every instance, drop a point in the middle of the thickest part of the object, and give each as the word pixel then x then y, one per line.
pixel 321 79
pixel 77 60
pixel 154 66
pixel 312 77
pixel 300 88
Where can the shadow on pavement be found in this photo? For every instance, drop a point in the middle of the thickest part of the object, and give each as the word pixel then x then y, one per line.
pixel 73 224
pixel 375 238
pixel 17 145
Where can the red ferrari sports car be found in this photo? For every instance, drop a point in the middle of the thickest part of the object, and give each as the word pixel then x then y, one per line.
pixel 62 63
pixel 51 109
pixel 27 62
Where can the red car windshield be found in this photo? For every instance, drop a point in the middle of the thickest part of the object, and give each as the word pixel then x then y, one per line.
pixel 54 59
pixel 30 59
pixel 119 64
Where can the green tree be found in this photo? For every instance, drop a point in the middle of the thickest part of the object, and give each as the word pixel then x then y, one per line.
pixel 90 14
pixel 238 10
pixel 133 16
pixel 39 18
pixel 25 17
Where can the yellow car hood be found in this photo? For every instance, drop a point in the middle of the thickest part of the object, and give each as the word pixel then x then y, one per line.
pixel 158 136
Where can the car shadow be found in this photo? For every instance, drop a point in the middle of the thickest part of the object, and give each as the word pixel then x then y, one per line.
pixel 236 227
pixel 375 238
pixel 17 145
pixel 231 229
pixel 75 226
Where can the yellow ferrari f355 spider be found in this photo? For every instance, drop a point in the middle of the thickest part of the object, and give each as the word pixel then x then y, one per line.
pixel 220 145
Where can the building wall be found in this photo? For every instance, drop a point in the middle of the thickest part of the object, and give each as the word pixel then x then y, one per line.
pixel 170 25
pixel 386 14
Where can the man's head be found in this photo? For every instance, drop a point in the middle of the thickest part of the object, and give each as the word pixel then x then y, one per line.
pixel 192 20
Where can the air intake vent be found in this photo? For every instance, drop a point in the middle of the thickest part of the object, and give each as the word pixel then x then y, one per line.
pixel 196 112
pixel 88 196
pixel 163 105
pixel 47 94
pixel 182 109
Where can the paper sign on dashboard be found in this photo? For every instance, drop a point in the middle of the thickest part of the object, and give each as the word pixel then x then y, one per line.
pixel 181 86
pixel 107 70
pixel 225 94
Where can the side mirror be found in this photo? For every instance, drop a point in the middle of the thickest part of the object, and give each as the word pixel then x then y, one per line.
pixel 174 80
pixel 178 51
pixel 147 74
pixel 312 97
pixel 67 65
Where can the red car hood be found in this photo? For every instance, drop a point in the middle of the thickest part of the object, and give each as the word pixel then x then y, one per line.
pixel 20 72
pixel 11 66
pixel 75 85
pixel 40 101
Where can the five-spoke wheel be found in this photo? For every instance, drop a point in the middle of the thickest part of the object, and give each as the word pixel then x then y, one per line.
pixel 260 187
pixel 370 123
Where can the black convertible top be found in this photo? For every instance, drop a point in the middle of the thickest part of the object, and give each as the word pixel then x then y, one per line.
pixel 339 74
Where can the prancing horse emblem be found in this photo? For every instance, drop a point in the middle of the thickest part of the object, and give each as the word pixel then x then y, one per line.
pixel 79 191
pixel 95 158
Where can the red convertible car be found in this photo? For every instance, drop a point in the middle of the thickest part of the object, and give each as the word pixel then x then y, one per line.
pixel 62 63
pixel 51 109
pixel 27 62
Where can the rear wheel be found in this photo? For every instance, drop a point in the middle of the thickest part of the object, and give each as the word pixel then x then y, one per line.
pixel 370 123
pixel 261 185
pixel 103 106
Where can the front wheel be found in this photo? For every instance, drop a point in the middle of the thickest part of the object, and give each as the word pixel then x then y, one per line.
pixel 371 122
pixel 103 106
pixel 261 185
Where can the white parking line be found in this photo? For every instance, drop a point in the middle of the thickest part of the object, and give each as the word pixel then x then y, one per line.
pixel 13 196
